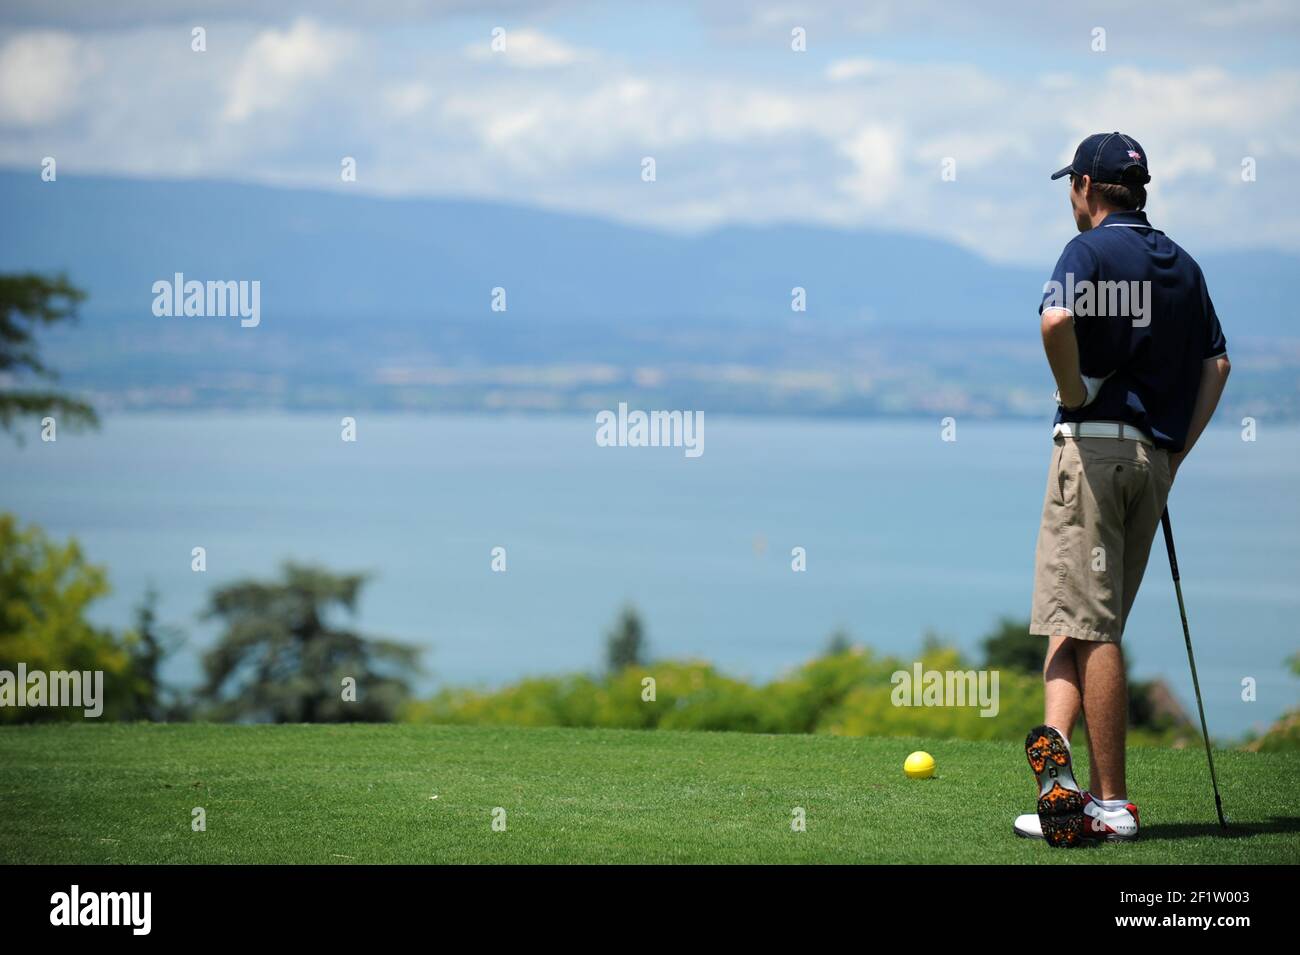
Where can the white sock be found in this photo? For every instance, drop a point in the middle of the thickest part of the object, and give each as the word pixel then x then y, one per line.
pixel 1112 805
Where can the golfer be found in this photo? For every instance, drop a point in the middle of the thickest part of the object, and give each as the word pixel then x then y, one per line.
pixel 1140 362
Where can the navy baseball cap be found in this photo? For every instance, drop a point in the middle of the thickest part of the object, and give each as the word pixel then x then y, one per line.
pixel 1109 157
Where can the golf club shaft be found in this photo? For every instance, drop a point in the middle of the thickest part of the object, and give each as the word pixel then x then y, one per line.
pixel 1187 638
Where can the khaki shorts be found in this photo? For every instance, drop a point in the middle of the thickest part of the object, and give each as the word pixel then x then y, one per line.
pixel 1103 504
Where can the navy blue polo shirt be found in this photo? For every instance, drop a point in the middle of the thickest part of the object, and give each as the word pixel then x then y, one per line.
pixel 1142 315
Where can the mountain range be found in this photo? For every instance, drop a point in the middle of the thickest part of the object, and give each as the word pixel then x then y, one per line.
pixel 388 303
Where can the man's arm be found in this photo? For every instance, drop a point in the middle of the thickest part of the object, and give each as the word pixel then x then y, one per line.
pixel 1214 375
pixel 1063 355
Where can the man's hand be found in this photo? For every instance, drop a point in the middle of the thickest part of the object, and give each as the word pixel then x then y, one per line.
pixel 1063 355
pixel 1214 375
pixel 1175 461
pixel 1091 389
pixel 1075 400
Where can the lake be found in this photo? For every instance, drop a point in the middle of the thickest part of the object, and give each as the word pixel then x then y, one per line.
pixel 904 533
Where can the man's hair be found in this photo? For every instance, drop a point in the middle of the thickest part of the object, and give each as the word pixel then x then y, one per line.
pixel 1122 197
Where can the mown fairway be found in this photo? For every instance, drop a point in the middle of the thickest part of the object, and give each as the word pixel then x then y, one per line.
pixel 354 794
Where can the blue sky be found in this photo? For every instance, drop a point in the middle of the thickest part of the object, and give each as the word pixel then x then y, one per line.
pixel 853 132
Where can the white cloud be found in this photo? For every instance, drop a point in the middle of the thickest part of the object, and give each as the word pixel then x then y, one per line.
pixel 876 154
pixel 973 149
pixel 40 75
pixel 847 139
pixel 402 100
pixel 1186 157
pixel 854 69
pixel 279 64
pixel 528 49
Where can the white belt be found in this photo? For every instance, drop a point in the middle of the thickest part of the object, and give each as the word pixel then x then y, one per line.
pixel 1101 429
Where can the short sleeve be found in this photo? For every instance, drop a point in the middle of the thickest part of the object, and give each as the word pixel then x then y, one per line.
pixel 1075 270
pixel 1215 344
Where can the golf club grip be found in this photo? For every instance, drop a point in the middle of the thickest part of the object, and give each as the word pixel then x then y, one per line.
pixel 1169 543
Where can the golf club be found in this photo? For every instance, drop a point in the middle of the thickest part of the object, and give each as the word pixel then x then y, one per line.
pixel 1187 637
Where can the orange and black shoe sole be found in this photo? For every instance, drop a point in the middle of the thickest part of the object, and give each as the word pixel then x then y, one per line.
pixel 1060 801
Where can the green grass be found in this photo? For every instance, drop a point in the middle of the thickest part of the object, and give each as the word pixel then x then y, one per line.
pixel 350 794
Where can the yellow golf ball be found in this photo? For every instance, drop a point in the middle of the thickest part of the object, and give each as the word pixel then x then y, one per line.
pixel 919 766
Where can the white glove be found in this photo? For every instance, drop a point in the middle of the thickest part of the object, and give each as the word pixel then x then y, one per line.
pixel 1091 385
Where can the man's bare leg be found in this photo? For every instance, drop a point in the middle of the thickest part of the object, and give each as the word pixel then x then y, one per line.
pixel 1100 668
pixel 1062 688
